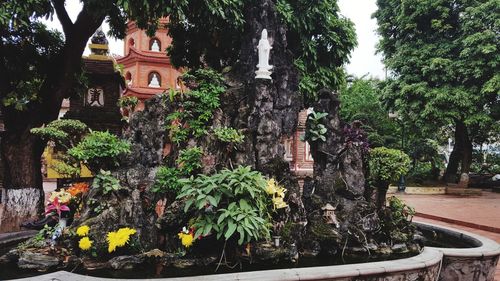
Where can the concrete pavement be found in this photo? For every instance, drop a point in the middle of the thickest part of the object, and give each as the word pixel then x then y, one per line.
pixel 477 214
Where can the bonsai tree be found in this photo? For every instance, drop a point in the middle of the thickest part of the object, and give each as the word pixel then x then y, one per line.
pixel 100 150
pixel 385 166
pixel 62 135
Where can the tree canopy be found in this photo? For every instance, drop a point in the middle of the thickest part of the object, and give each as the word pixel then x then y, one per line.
pixel 319 38
pixel 444 60
pixel 360 99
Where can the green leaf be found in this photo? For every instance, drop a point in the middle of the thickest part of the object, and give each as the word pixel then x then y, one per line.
pixel 188 204
pixel 198 233
pixel 212 200
pixel 230 229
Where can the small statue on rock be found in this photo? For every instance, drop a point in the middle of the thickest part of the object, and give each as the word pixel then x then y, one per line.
pixel 263 71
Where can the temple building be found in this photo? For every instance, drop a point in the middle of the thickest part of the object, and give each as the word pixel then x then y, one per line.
pixel 146 67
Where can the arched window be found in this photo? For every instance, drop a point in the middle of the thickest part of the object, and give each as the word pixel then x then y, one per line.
pixel 131 42
pixel 154 80
pixel 155 45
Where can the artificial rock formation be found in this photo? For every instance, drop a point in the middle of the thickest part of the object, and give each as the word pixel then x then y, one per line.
pixel 134 205
pixel 339 180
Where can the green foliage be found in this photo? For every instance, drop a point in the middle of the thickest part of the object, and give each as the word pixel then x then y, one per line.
pixel 195 109
pixel 360 100
pixel 387 165
pixel 426 161
pixel 167 178
pixel 167 181
pixel 64 133
pixel 26 55
pixel 321 41
pixel 396 221
pixel 128 102
pixel 106 182
pixel 39 240
pixel 100 150
pixel 189 160
pixel 444 58
pixel 66 167
pixel 421 173
pixel 229 135
pixel 231 203
pixel 319 38
pixel 315 130
pixel 486 162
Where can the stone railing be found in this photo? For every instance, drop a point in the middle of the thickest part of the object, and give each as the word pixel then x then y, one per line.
pixel 478 263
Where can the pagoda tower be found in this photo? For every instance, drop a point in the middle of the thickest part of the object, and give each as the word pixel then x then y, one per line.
pixel 147 67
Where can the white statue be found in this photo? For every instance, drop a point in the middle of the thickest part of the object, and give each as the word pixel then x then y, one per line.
pixel 154 83
pixel 155 47
pixel 264 49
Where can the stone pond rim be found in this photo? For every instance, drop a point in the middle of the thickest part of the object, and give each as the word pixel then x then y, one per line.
pixel 478 263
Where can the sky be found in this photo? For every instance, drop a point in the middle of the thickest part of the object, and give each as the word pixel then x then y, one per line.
pixel 363 61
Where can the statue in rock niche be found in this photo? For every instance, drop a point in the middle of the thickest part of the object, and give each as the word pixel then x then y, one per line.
pixel 264 48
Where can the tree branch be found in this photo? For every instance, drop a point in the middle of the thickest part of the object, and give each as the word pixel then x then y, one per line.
pixel 63 16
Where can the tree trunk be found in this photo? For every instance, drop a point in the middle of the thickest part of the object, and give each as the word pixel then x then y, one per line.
pixel 23 197
pixel 21 152
pixel 466 160
pixel 450 175
pixel 382 194
pixel 461 154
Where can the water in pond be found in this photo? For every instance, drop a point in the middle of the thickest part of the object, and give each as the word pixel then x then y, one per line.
pixel 434 238
pixel 441 238
pixel 11 271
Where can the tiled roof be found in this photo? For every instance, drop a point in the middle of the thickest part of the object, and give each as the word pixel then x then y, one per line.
pixel 99 66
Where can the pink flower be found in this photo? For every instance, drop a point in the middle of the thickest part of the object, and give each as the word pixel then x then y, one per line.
pixel 56 206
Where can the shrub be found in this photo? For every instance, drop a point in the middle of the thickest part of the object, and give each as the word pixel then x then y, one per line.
pixel 189 160
pixel 386 165
pixel 315 130
pixel 231 203
pixel 128 103
pixel 63 133
pixel 229 135
pixel 100 150
pixel 167 181
pixel 196 107
pixel 396 221
pixel 106 182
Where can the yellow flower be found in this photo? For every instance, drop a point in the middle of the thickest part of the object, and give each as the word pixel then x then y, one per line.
pixel 280 192
pixel 63 196
pixel 82 230
pixel 186 239
pixel 271 186
pixel 279 203
pixel 119 238
pixel 85 243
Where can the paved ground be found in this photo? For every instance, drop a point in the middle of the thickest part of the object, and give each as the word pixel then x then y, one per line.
pixel 475 211
pixel 478 214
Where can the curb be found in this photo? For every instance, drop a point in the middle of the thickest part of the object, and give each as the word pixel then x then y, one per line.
pixel 459 222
